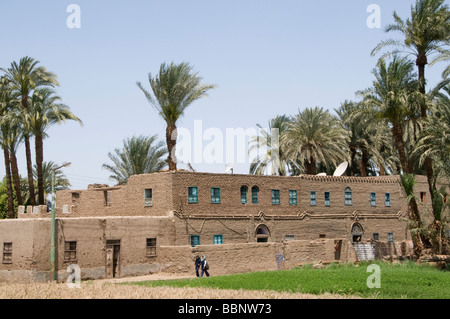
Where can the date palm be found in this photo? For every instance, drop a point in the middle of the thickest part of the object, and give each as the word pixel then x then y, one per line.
pixel 45 110
pixel 25 77
pixel 269 152
pixel 173 89
pixel 61 181
pixel 139 155
pixel 315 136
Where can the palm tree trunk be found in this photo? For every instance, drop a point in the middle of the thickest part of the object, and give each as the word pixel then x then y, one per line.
pixel 352 161
pixel 311 166
pixel 30 170
pixel 28 156
pixel 397 132
pixel 171 140
pixel 421 62
pixel 9 190
pixel 16 177
pixel 39 160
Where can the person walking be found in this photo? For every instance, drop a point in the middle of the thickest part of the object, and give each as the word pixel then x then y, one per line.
pixel 198 264
pixel 205 266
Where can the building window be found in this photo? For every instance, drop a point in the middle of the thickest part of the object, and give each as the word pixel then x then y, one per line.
pixel 150 247
pixel 357 232
pixel 312 198
pixel 348 197
pixel 70 251
pixel 387 199
pixel 289 237
pixel 292 197
pixel 195 240
pixel 376 236
pixel 244 190
pixel 423 197
pixel 215 195
pixel 108 198
pixel 7 253
pixel 322 235
pixel 148 197
pixel 373 199
pixel 192 194
pixel 255 191
pixel 217 240
pixel 327 199
pixel 390 237
pixel 275 197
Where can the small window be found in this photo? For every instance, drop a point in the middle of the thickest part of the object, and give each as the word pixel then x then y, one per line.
pixel 373 199
pixel 387 199
pixel 244 190
pixel 195 240
pixel 151 247
pixel 289 237
pixel 376 236
pixel 322 235
pixel 255 191
pixel 108 198
pixel 348 197
pixel 292 197
pixel 423 197
pixel 390 237
pixel 217 240
pixel 7 253
pixel 327 199
pixel 312 198
pixel 215 195
pixel 275 197
pixel 148 197
pixel 70 251
pixel 193 194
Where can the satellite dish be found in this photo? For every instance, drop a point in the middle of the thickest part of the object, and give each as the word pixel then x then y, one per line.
pixel 322 174
pixel 229 168
pixel 340 169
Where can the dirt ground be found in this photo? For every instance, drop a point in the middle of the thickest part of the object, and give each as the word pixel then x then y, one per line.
pixel 107 289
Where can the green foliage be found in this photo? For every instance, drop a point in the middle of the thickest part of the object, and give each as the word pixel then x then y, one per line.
pixel 405 280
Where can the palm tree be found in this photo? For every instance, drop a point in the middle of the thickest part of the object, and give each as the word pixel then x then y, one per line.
pixel 268 141
pixel 139 155
pixel 61 181
pixel 392 99
pixel 6 102
pixel 174 88
pixel 25 77
pixel 424 34
pixel 45 110
pixel 314 136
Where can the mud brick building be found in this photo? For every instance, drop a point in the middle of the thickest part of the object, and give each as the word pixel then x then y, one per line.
pixel 158 222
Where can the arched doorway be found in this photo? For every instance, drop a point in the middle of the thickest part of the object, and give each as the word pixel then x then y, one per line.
pixel 357 232
pixel 262 233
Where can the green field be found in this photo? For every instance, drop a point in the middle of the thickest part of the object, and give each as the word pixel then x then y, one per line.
pixel 405 280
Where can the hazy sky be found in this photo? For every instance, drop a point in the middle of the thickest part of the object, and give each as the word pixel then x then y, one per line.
pixel 266 58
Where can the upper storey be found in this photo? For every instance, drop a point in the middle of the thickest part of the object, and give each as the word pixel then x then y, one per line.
pixel 209 194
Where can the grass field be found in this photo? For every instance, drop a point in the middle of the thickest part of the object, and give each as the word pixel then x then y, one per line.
pixel 404 280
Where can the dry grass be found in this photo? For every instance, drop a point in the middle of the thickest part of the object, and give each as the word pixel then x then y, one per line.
pixel 95 290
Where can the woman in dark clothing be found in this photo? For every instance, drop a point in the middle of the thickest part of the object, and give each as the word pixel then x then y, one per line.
pixel 205 266
pixel 198 264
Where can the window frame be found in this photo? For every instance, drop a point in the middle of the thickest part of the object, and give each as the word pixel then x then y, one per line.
pixel 148 201
pixel 327 202
pixel 215 197
pixel 276 197
pixel 7 252
pixel 244 194
pixel 218 239
pixel 151 246
pixel 69 249
pixel 312 198
pixel 293 197
pixel 192 198
pixel 373 199
pixel 348 196
pixel 193 239
pixel 255 194
pixel 387 199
